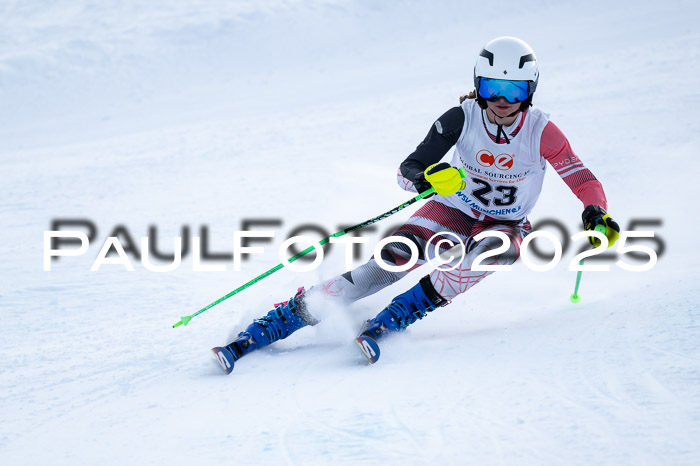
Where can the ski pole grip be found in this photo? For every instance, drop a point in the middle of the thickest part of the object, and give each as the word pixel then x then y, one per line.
pixel 428 192
pixel 462 173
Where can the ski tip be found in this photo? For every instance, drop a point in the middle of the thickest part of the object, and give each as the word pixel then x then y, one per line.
pixel 224 358
pixel 369 348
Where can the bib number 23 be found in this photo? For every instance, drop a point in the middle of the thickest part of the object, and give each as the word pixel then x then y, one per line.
pixel 506 198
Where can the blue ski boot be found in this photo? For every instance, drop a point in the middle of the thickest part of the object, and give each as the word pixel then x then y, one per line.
pixel 285 319
pixel 404 309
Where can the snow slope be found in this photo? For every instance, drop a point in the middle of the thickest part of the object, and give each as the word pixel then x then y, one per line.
pixel 195 114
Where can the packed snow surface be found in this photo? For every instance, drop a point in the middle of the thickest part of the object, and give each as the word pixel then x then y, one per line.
pixel 181 116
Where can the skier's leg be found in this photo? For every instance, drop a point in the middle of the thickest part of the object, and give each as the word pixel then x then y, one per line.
pixel 369 278
pixel 450 283
pixel 365 280
pixel 439 287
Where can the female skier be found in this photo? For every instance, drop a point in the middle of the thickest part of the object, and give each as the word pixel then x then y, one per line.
pixel 503 145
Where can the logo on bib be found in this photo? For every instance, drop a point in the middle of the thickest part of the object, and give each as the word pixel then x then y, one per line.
pixel 500 161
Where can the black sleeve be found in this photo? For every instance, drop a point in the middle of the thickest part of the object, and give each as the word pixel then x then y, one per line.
pixel 442 136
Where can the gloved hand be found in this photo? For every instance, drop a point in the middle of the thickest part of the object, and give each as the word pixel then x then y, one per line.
pixel 421 184
pixel 443 177
pixel 594 216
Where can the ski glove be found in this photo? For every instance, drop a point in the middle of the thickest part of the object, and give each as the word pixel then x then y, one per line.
pixel 444 178
pixel 421 184
pixel 594 216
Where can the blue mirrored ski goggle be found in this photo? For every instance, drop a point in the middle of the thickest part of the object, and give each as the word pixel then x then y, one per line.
pixel 512 91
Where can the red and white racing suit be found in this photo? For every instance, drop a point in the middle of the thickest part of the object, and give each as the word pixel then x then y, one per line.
pixel 505 170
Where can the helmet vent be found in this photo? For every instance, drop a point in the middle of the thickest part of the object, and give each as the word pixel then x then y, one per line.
pixel 489 56
pixel 526 58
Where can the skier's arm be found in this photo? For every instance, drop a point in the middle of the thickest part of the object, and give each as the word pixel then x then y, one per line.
pixel 556 149
pixel 444 134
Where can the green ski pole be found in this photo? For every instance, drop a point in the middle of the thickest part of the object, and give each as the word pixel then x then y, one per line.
pixel 186 319
pixel 575 298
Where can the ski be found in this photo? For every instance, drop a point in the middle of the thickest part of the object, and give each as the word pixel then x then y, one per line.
pixel 369 348
pixel 224 358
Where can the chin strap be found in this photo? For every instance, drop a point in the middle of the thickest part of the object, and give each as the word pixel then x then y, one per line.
pixel 500 129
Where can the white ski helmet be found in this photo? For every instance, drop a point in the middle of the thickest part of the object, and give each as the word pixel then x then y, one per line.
pixel 507 58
